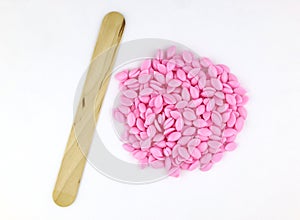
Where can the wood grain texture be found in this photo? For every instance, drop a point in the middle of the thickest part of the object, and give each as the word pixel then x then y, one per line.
pixel 86 117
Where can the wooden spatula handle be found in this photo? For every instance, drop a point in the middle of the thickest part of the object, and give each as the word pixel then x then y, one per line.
pixel 87 114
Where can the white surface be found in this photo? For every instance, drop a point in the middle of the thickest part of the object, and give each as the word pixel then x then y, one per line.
pixel 45 47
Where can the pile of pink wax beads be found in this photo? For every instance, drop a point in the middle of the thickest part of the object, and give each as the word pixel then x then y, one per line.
pixel 180 112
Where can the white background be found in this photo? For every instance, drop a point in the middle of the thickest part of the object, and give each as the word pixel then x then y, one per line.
pixel 45 47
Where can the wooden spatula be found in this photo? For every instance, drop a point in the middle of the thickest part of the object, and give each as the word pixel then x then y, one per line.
pixel 84 124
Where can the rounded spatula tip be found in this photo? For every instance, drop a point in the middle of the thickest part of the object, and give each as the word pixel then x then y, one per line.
pixel 62 199
pixel 114 13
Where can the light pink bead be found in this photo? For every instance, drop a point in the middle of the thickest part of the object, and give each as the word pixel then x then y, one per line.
pixel 194 165
pixel 195 103
pixel 199 123
pixel 140 155
pixel 157 126
pixel 217 157
pixel 174 136
pixel 204 132
pixel 215 130
pixel 208 92
pixel 130 94
pixel 242 111
pixel 143 135
pixel 119 116
pixel 185 94
pixel 194 91
pixel 231 146
pixel 196 153
pixel 216 83
pixel 168 163
pixel 189 131
pixel 176 95
pixel 130 82
pixel 144 78
pixel 210 105
pixel 157 164
pixel 170 144
pixel 128 147
pixel 175 172
pixel 214 144
pixel 169 99
pixel 133 73
pixel 146 92
pixel 216 118
pixel 162 68
pixel 175 114
pixel 231 138
pixel 145 144
pixel 142 107
pixel 168 131
pixel 194 72
pixel 203 146
pixel 181 75
pixel 196 63
pixel 230 99
pixel 189 115
pixel 125 101
pixel 179 63
pixel 239 124
pixel 212 71
pixel 144 99
pixel 140 124
pixel 179 124
pixel 220 95
pixel 171 52
pixel 146 65
pixel 244 101
pixel 171 65
pixel 183 152
pixel 184 140
pixel 181 104
pixel 202 82
pixel 206 158
pixel 134 130
pixel 168 123
pixel 161 144
pixel 124 109
pixel 158 137
pixel 227 89
pixel 150 119
pixel 156 152
pixel 229 132
pixel 206 167
pixel 223 108
pixel 194 142
pixel 131 119
pixel 226 116
pixel 122 76
pixel 174 83
pixel 159 77
pixel 240 91
pixel 167 151
pixel 233 84
pixel 187 56
pixel 200 110
pixel 158 101
pixel 205 61
pixel 151 131
pixel 238 99
pixel 206 116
